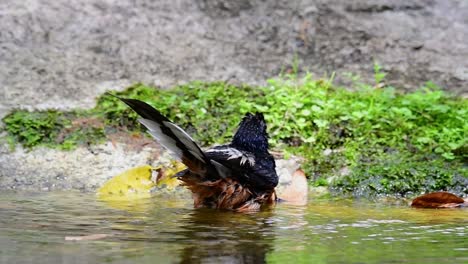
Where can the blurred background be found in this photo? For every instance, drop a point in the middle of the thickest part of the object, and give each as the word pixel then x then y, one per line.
pixel 62 53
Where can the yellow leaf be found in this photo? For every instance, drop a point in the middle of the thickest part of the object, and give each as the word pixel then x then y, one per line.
pixel 138 182
pixel 132 184
pixel 166 177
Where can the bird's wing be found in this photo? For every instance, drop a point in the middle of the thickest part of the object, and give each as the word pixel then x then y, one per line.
pixel 172 137
pixel 244 166
pixel 231 155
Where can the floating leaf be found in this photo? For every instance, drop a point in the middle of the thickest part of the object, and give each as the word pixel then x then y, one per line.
pixel 135 183
pixel 166 177
pixel 138 182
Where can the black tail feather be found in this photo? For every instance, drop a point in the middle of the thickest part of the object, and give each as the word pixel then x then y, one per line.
pixel 171 136
pixel 144 110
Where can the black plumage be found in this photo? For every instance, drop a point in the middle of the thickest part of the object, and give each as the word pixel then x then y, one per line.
pixel 239 176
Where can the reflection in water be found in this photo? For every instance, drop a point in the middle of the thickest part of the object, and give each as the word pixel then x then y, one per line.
pixel 168 230
pixel 226 237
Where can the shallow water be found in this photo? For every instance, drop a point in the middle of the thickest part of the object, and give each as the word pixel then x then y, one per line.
pixel 33 228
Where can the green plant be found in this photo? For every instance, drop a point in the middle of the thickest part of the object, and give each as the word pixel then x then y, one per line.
pixel 32 128
pixel 379 76
pixel 403 174
pixel 53 128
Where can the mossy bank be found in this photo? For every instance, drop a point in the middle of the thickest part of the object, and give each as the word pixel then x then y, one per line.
pixel 364 140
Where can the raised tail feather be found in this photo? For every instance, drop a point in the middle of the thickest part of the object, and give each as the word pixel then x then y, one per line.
pixel 171 136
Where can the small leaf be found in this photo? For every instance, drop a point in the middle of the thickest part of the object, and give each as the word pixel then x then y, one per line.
pixel 321 123
pixel 305 112
pixel 310 139
pixel 424 140
pixel 316 109
pixel 448 155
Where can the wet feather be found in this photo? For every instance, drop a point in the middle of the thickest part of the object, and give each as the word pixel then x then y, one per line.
pixel 239 176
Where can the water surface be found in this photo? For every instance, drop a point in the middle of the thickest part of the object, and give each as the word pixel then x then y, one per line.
pixel 165 229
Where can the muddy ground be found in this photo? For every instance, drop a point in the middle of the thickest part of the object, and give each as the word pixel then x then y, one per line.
pixel 62 54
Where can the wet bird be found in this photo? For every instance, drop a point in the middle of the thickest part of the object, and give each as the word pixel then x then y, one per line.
pixel 439 200
pixel 239 176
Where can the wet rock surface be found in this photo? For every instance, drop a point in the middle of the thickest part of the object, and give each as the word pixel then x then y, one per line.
pixel 85 168
pixel 62 54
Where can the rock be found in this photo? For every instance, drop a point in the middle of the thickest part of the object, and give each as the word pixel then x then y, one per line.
pixel 285 168
pixel 83 169
pixel 292 185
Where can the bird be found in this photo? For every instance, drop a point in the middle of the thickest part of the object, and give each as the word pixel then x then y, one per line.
pixel 239 176
pixel 439 200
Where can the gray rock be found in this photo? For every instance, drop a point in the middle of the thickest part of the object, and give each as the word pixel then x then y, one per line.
pixel 83 169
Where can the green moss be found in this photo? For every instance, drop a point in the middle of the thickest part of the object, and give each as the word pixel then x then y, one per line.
pixel 403 174
pixel 33 128
pixel 53 129
pixel 391 142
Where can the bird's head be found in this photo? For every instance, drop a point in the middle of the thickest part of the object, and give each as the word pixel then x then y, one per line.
pixel 251 134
